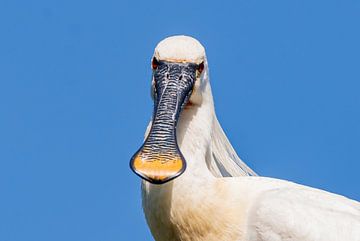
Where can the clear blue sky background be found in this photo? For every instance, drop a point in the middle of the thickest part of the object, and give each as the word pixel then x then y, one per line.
pixel 74 102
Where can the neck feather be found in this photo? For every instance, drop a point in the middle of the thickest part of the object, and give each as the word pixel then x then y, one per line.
pixel 194 136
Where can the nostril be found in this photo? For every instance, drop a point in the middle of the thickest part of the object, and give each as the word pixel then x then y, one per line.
pixel 167 76
pixel 180 78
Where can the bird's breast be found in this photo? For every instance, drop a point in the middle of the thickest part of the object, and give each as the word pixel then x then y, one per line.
pixel 202 211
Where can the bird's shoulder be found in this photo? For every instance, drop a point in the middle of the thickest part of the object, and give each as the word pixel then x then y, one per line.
pixel 283 210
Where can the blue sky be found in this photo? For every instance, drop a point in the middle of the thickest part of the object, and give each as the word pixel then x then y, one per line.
pixel 75 101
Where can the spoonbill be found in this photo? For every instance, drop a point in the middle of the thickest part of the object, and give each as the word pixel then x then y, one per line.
pixel 195 187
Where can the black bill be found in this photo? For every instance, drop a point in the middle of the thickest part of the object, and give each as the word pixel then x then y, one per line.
pixel 159 160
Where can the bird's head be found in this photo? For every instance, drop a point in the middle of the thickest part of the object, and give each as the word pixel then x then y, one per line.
pixel 179 68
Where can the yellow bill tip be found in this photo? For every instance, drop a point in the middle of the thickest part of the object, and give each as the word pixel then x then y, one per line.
pixel 157 170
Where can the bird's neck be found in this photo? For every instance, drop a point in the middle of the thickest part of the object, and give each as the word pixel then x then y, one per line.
pixel 178 210
pixel 194 138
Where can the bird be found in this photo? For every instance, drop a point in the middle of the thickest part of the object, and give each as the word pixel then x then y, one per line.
pixel 194 185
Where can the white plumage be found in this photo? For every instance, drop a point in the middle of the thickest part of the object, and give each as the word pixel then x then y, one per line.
pixel 220 198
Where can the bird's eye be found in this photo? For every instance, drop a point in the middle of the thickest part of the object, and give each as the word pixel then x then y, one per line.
pixel 200 67
pixel 154 63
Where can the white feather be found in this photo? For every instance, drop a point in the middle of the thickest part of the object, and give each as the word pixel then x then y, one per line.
pixel 224 161
pixel 288 211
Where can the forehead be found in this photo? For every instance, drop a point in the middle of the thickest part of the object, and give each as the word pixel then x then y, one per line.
pixel 180 49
